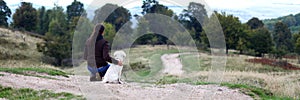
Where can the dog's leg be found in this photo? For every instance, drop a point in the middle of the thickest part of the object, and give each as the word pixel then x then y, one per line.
pixel 120 75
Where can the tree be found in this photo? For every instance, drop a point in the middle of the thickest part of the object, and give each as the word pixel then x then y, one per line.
pixel 297 18
pixel 233 29
pixel 5 13
pixel 109 32
pixel 283 40
pixel 76 9
pixel 58 44
pixel 25 17
pixel 42 19
pixel 58 40
pixel 118 17
pixel 255 23
pixel 283 37
pixel 289 20
pixel 297 44
pixel 261 41
pixel 189 17
pixel 74 12
pixel 153 6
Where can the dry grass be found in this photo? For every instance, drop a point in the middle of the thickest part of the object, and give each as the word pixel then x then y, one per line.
pixel 281 84
pixel 15 52
pixel 279 81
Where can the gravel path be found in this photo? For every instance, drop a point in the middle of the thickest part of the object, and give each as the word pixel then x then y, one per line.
pixel 172 64
pixel 130 91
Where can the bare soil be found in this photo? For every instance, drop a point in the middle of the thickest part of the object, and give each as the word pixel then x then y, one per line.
pixel 80 85
pixel 95 90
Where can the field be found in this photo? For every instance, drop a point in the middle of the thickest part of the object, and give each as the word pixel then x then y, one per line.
pixel 144 66
pixel 281 82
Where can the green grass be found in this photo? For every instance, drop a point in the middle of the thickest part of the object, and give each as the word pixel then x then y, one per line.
pixel 145 71
pixel 192 63
pixel 167 80
pixel 30 94
pixel 24 71
pixel 255 92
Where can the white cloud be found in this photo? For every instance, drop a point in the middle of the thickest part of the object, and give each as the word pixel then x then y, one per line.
pixel 245 9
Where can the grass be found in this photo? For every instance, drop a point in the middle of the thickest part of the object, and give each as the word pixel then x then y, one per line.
pixel 15 52
pixel 26 71
pixel 30 94
pixel 255 92
pixel 279 81
pixel 145 63
pixel 282 83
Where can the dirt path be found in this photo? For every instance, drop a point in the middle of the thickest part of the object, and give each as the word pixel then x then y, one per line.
pixel 132 91
pixel 172 64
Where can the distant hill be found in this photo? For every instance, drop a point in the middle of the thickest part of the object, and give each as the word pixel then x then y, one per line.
pixel 293 22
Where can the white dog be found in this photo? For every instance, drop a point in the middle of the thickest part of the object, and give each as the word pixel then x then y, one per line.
pixel 113 73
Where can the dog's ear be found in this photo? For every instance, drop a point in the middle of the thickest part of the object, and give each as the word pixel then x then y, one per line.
pixel 124 54
pixel 115 53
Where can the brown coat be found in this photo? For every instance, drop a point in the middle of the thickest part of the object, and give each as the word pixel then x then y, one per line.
pixel 101 56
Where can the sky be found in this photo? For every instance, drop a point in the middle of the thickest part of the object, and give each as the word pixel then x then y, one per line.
pixel 244 9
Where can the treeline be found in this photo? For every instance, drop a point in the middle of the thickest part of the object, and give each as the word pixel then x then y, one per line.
pixel 292 21
pixel 58 27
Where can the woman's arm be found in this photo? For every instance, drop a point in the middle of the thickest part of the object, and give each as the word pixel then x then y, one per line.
pixel 106 55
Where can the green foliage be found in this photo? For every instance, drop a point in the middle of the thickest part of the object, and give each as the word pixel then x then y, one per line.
pixel 42 19
pixel 24 71
pixel 282 38
pixel 189 17
pixel 5 13
pixel 76 9
pixel 153 6
pixel 292 21
pixel 297 42
pixel 25 17
pixel 260 41
pixel 233 30
pixel 140 68
pixel 118 16
pixel 109 32
pixel 167 80
pixel 30 94
pixel 255 23
pixel 83 30
pixel 58 41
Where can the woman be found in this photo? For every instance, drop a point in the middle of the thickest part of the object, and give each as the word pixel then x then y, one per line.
pixel 96 53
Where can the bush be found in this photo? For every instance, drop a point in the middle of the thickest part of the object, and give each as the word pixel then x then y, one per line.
pixel 138 66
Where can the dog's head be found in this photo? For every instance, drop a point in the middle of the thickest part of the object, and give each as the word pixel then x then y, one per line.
pixel 119 55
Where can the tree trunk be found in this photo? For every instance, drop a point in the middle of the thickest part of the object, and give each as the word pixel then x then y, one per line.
pixel 226 50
